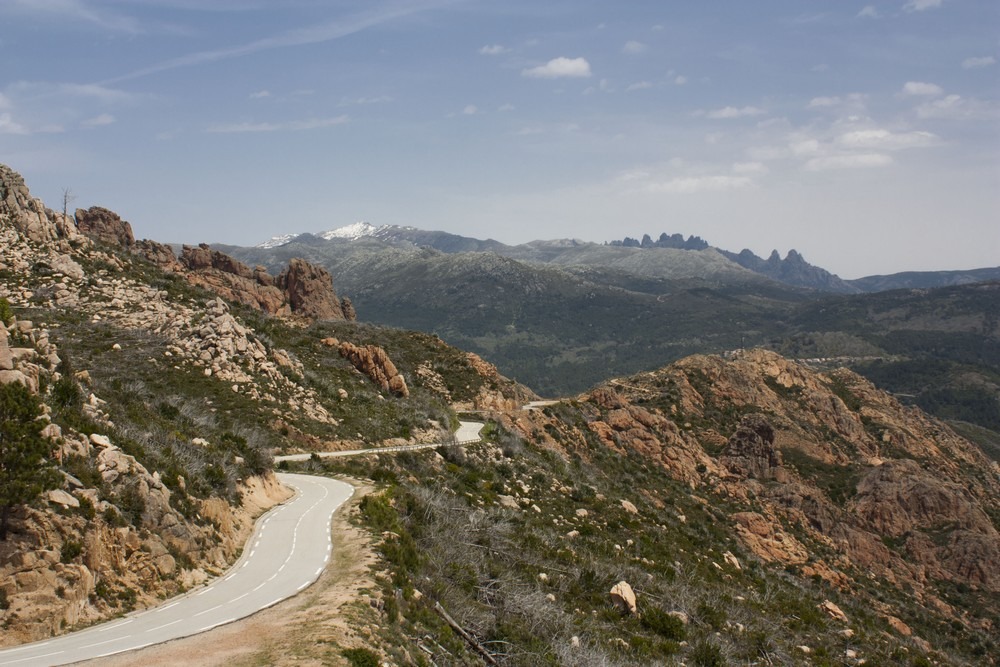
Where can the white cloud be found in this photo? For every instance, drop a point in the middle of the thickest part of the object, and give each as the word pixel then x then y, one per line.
pixel 559 68
pixel 4 102
pixel 260 94
pixel 493 50
pixel 713 138
pixel 8 126
pixel 868 12
pixel 885 140
pixel 693 184
pixel 634 48
pixel 750 168
pixel 804 147
pixel 506 107
pixel 973 63
pixel 641 85
pixel 680 80
pixel 921 88
pixel 360 101
pixel 98 121
pixel 858 161
pixel 295 125
pixel 819 102
pixel 470 110
pixel 922 5
pixel 733 112
pixel 75 10
pixel 956 107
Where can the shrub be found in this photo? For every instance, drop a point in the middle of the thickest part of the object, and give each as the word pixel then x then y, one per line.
pixel 361 657
pixel 663 624
pixel 707 654
pixel 70 550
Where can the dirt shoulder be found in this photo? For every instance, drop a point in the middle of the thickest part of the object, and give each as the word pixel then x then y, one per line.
pixel 311 628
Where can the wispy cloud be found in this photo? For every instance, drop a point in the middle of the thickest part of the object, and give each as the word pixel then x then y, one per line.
pixel 98 121
pixel 921 88
pixel 639 85
pixel 922 5
pixel 363 101
pixel 694 184
pixel 288 126
pixel 470 110
pixel 559 68
pixel 856 161
pixel 956 107
pixel 260 94
pixel 9 126
pixel 868 12
pixel 680 80
pixel 506 107
pixel 734 112
pixel 634 48
pixel 493 50
pixel 975 63
pixel 749 168
pixel 313 34
pixel 70 11
pixel 880 139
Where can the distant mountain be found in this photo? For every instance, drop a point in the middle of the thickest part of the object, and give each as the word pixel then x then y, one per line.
pixel 925 279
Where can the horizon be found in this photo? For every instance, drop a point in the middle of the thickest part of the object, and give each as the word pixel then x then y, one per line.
pixel 863 135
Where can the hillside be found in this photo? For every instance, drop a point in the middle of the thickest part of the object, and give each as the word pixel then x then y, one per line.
pixel 729 509
pixel 711 512
pixel 163 404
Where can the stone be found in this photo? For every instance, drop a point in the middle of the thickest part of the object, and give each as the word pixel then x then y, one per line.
pixel 899 626
pixel 99 440
pixel 731 559
pixel 105 226
pixel 629 507
pixel 60 497
pixel 833 611
pixel 310 291
pixel 623 597
pixel 508 502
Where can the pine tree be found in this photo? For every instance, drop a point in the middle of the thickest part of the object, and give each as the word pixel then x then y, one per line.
pixel 25 466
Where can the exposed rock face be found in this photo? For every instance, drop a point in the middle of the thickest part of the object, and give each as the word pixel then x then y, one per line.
pixel 750 451
pixel 302 289
pixel 310 291
pixel 348 309
pixel 375 363
pixel 105 226
pixel 158 253
pixel 29 215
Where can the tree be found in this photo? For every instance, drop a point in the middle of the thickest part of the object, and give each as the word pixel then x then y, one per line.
pixel 68 197
pixel 25 468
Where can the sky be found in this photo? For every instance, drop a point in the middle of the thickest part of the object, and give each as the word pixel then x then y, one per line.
pixel 865 135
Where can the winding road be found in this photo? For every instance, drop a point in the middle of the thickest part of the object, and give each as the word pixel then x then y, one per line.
pixel 290 547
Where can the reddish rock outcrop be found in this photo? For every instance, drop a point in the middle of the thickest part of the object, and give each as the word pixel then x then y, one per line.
pixel 310 291
pixel 231 279
pixel 105 226
pixel 750 451
pixel 375 363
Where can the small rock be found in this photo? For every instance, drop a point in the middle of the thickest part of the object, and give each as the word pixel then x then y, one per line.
pixel 116 347
pixel 833 611
pixel 629 507
pixel 623 597
pixel 582 513
pixel 805 649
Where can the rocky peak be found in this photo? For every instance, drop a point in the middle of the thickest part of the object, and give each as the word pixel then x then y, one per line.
pixel 105 226
pixel 29 215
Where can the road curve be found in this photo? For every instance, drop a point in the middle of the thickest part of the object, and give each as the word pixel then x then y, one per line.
pixel 290 546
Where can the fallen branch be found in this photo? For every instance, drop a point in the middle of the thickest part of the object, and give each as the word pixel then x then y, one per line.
pixel 470 640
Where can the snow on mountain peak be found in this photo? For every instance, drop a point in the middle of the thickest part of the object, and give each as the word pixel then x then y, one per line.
pixel 353 232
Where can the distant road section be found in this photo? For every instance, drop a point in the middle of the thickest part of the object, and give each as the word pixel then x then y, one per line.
pixel 468 432
pixel 288 550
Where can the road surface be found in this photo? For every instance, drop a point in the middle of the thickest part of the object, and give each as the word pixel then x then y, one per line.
pixel 290 546
pixel 288 550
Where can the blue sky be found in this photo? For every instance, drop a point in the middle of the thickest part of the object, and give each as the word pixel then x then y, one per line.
pixel 866 135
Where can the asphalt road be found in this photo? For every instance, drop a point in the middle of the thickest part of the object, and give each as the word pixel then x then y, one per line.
pixel 290 547
pixel 468 432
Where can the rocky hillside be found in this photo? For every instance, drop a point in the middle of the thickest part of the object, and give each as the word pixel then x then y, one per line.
pixel 717 511
pixel 163 402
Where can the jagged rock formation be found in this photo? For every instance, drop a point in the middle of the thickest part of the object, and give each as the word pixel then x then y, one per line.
pixel 372 361
pixel 792 270
pixel 105 226
pixel 310 291
pixel 29 215
pixel 302 289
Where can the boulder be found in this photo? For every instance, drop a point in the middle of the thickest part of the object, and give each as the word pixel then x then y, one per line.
pixel 750 451
pixel 623 597
pixel 310 291
pixel 105 226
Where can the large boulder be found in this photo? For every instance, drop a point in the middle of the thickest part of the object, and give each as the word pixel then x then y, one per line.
pixel 105 226
pixel 310 291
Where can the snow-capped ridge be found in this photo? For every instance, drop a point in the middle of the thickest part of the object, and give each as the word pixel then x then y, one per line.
pixel 353 232
pixel 276 241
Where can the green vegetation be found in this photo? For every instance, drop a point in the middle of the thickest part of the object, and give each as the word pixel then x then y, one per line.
pixel 25 468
